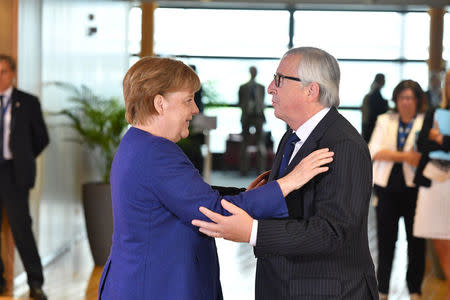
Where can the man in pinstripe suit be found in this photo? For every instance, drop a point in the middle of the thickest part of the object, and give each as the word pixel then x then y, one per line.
pixel 321 250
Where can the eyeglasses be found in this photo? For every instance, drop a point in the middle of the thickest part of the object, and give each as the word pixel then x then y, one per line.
pixel 277 78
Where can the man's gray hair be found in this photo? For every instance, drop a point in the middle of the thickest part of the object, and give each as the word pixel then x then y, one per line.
pixel 316 65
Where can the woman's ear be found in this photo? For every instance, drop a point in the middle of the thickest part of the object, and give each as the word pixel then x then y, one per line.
pixel 158 102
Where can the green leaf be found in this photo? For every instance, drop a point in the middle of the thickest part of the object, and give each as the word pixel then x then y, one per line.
pixel 99 122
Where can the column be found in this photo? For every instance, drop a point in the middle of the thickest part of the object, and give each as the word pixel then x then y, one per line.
pixel 435 66
pixel 435 61
pixel 148 9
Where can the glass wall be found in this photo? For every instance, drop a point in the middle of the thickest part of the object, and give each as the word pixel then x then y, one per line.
pixel 84 44
pixel 218 32
pixel 354 35
pixel 446 42
pixel 364 42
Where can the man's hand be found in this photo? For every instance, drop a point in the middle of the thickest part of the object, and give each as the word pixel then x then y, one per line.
pixel 259 181
pixel 236 227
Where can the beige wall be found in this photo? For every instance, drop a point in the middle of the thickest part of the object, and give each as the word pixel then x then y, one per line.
pixel 8 21
pixel 70 55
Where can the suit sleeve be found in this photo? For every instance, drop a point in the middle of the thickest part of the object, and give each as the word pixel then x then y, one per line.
pixel 181 189
pixel 39 132
pixel 226 191
pixel 241 97
pixel 341 199
pixel 424 144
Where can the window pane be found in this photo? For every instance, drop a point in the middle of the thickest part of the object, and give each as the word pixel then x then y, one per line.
pixel 225 76
pixel 276 126
pixel 355 83
pixel 134 30
pixel 229 121
pixel 417 35
pixel 417 72
pixel 74 53
pixel 446 39
pixel 356 78
pixel 218 32
pixel 350 34
pixel 222 78
pixel 353 116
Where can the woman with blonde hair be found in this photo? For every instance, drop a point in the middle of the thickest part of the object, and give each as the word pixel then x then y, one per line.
pixel 432 218
pixel 156 191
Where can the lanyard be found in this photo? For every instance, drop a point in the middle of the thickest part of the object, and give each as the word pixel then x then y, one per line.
pixel 403 132
pixel 6 107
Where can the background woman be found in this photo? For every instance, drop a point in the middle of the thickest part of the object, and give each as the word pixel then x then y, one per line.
pixel 156 192
pixel 433 205
pixel 391 147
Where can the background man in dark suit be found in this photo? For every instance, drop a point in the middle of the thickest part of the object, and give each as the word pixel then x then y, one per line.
pixel 251 102
pixel 373 105
pixel 434 93
pixel 23 136
pixel 321 251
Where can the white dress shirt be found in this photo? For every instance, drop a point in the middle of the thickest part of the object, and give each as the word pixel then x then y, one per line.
pixel 7 123
pixel 303 133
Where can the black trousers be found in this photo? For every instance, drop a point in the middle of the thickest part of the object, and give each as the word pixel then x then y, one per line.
pixel 395 201
pixel 15 201
pixel 244 163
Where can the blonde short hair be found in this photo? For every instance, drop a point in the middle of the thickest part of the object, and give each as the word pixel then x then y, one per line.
pixel 152 76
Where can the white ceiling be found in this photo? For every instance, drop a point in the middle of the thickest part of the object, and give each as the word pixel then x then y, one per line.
pixel 314 4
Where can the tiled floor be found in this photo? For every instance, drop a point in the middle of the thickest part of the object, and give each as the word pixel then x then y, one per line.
pixel 73 275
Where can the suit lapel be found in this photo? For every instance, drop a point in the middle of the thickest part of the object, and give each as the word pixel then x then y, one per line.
pixel 279 156
pixel 311 143
pixel 15 105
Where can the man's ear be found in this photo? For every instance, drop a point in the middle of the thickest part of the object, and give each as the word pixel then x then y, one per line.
pixel 313 90
pixel 159 104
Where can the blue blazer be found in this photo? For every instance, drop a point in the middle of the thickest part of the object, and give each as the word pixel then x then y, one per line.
pixel 156 252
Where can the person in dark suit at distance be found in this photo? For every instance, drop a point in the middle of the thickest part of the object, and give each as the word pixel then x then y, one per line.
pixel 23 136
pixel 321 250
pixel 373 105
pixel 251 102
pixel 434 93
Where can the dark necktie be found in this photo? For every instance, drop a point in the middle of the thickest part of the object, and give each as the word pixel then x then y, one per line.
pixel 288 149
pixel 2 113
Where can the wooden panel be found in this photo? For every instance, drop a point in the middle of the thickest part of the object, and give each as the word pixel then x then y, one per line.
pixel 148 10
pixel 8 36
pixel 435 61
pixel 7 252
pixel 8 27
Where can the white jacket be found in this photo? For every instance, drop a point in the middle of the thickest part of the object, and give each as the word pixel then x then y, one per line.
pixel 384 136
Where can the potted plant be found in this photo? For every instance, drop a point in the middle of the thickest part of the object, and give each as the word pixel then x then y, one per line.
pixel 99 123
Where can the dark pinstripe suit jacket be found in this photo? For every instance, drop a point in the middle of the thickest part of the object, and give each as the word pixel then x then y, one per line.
pixel 321 251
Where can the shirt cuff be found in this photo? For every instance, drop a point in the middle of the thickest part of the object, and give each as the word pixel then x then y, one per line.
pixel 254 233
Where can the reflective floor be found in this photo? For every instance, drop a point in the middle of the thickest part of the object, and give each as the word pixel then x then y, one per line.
pixel 73 275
